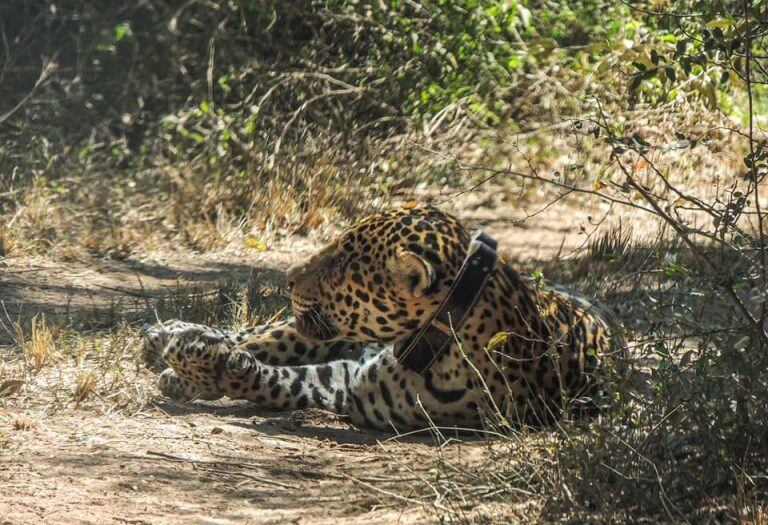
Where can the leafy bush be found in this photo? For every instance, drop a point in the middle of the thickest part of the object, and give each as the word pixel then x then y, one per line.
pixel 146 98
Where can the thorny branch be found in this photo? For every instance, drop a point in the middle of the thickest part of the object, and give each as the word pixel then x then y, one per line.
pixel 683 231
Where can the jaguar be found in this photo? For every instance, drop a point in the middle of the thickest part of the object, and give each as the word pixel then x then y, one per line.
pixel 527 353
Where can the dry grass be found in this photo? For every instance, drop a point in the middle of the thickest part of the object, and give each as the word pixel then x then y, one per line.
pixel 52 362
pixel 23 422
pixel 230 303
pixel 576 474
pixel 184 205
pixel 55 366
pixel 38 348
pixel 85 383
pixel 319 186
pixel 7 245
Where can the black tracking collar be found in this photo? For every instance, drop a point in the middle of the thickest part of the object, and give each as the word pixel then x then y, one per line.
pixel 431 340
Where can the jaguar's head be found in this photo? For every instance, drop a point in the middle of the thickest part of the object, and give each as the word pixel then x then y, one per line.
pixel 380 279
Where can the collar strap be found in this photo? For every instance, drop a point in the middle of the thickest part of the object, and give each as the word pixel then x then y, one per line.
pixel 423 348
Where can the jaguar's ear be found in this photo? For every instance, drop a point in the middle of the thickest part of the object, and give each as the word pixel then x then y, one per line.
pixel 413 272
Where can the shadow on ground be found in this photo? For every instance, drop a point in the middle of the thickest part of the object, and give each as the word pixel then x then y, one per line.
pixel 310 423
pixel 96 295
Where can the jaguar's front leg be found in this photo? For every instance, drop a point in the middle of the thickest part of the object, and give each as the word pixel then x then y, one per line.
pixel 276 343
pixel 211 365
pixel 377 392
pixel 171 385
pixel 155 339
pixel 189 353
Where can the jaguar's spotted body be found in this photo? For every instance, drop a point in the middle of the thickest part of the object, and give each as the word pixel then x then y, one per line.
pixel 372 287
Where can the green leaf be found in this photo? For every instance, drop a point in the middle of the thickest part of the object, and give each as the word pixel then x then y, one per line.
pixel 671 74
pixel 498 339
pixel 121 31
pixel 720 23
pixel 649 74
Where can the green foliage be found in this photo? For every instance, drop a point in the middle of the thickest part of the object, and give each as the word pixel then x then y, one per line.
pixel 189 79
pixel 702 55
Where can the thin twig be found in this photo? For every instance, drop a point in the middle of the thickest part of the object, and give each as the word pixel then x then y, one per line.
pixel 48 68
pixel 209 466
pixel 395 496
pixel 683 232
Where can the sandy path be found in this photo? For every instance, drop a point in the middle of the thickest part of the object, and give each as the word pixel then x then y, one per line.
pixel 200 464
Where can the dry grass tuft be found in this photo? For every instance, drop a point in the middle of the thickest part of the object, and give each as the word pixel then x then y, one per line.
pixel 230 303
pixel 7 244
pixel 60 368
pixel 23 422
pixel 40 220
pixel 611 244
pixel 38 349
pixel 85 383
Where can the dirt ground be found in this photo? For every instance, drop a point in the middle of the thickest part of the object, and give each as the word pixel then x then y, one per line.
pixel 220 462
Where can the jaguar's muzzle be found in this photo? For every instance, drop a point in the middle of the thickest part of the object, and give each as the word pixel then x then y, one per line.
pixel 313 324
